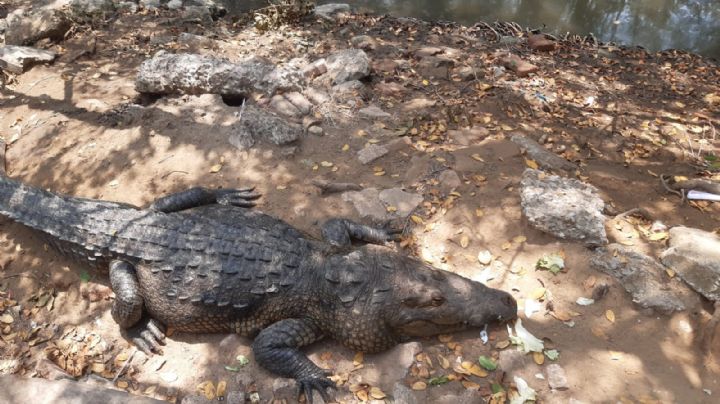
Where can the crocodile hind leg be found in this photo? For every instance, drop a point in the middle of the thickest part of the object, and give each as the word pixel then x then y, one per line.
pixel 199 196
pixel 276 349
pixel 342 232
pixel 127 309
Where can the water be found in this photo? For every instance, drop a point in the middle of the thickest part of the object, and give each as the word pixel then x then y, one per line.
pixel 692 25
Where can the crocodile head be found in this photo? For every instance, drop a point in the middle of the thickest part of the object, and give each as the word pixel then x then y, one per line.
pixel 428 301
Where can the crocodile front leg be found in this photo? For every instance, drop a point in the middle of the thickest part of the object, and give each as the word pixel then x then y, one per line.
pixel 199 196
pixel 127 309
pixel 341 233
pixel 276 349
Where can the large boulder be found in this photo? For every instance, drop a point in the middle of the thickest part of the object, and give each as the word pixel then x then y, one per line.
pixel 259 124
pixel 564 207
pixel 16 59
pixel 167 73
pixel 28 28
pixel 695 256
pixel 644 278
pixel 85 10
pixel 545 158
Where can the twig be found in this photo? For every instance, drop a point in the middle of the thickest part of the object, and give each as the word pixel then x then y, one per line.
pixel 634 211
pixel 327 187
pixel 667 187
pixel 38 81
pixel 125 366
pixel 174 171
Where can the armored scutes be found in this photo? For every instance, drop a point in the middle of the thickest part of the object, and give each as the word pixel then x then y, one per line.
pixel 201 261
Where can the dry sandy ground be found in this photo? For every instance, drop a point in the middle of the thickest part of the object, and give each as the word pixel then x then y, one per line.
pixel 71 142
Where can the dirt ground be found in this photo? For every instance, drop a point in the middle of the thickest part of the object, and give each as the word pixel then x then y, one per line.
pixel 67 129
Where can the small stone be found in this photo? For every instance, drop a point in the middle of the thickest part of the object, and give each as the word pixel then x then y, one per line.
pixel 196 41
pixel 449 181
pixel 385 66
pixel 348 87
pixel 17 59
pixel 519 66
pixel 314 69
pixel 244 380
pixel 363 42
pixel 405 202
pixel 371 153
pixel 284 389
pixel 331 11
pixel 509 40
pixel 174 4
pixel 280 104
pixel 556 377
pixel 541 43
pixel 195 399
pixel 566 208
pixel 49 370
pixel 428 51
pixel 197 14
pixel 373 112
pixel 694 255
pixel 316 131
pixel 150 4
pixel 389 89
pixel 467 73
pixel 367 203
pixel 512 361
pixel 257 123
pixel 300 102
pixel 317 97
pixel 541 155
pixel 418 103
pixel 348 65
pixel 87 10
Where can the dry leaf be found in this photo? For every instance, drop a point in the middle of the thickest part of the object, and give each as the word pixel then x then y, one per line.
pixel 6 319
pixel 477 157
pixel 589 283
pixel 538 293
pixel 670 272
pixel 207 388
pixel 326 164
pixel 419 386
pixel 464 241
pixel 610 315
pixel 520 239
pixel 479 213
pixel 416 219
pixel 561 315
pixel 122 384
pixel 470 385
pixel 506 245
pixel 346 147
pixel 221 388
pixel 216 168
pixel 539 358
pixel 531 163
pixel 444 362
pixel 358 358
pixel 444 338
pixel 478 371
pixel 362 395
pixel 502 344
pixel 376 393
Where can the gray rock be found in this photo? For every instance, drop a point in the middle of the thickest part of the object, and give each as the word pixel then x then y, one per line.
pixel 449 182
pixel 49 370
pixel 314 69
pixel 300 102
pixel 17 59
pixel 15 389
pixel 364 42
pixel 344 89
pixel 244 380
pixel 418 103
pixel 167 73
pixel 196 41
pixel 259 124
pixel 281 104
pixel 196 399
pixel 286 77
pixel 235 397
pixel 317 97
pixel 85 10
pixel 556 377
pixel 26 29
pixel 315 130
pixel 374 112
pixel 174 4
pixel 544 158
pixel 427 51
pixel 695 256
pixel 150 4
pixel 509 40
pixel 512 361
pixel 467 73
pixel 367 203
pixel 405 202
pixel 641 276
pixel 330 12
pixel 467 397
pixel 403 394
pixel 386 368
pixel 348 65
pixel 197 14
pixel 371 153
pixel 566 208
pixel 127 6
pixel 284 389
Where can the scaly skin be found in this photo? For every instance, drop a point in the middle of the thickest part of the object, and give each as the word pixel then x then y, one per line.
pixel 198 261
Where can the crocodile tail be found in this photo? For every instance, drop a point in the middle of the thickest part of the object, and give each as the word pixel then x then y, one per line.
pixel 28 205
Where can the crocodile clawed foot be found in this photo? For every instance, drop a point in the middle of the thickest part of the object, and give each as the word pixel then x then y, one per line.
pixel 242 197
pixel 321 384
pixel 151 338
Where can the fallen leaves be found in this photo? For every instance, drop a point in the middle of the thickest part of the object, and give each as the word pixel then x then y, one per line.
pixel 552 262
pixel 610 316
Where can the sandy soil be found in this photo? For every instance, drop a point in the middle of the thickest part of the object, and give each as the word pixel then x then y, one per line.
pixel 74 138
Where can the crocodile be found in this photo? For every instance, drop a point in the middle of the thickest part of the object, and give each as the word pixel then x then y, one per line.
pixel 203 260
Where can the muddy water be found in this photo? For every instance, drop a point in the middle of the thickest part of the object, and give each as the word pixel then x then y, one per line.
pixel 692 25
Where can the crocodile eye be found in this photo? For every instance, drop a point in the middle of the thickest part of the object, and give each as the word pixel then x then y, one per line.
pixel 411 301
pixel 438 300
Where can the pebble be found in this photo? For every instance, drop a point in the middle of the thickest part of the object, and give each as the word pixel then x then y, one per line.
pixel 556 377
